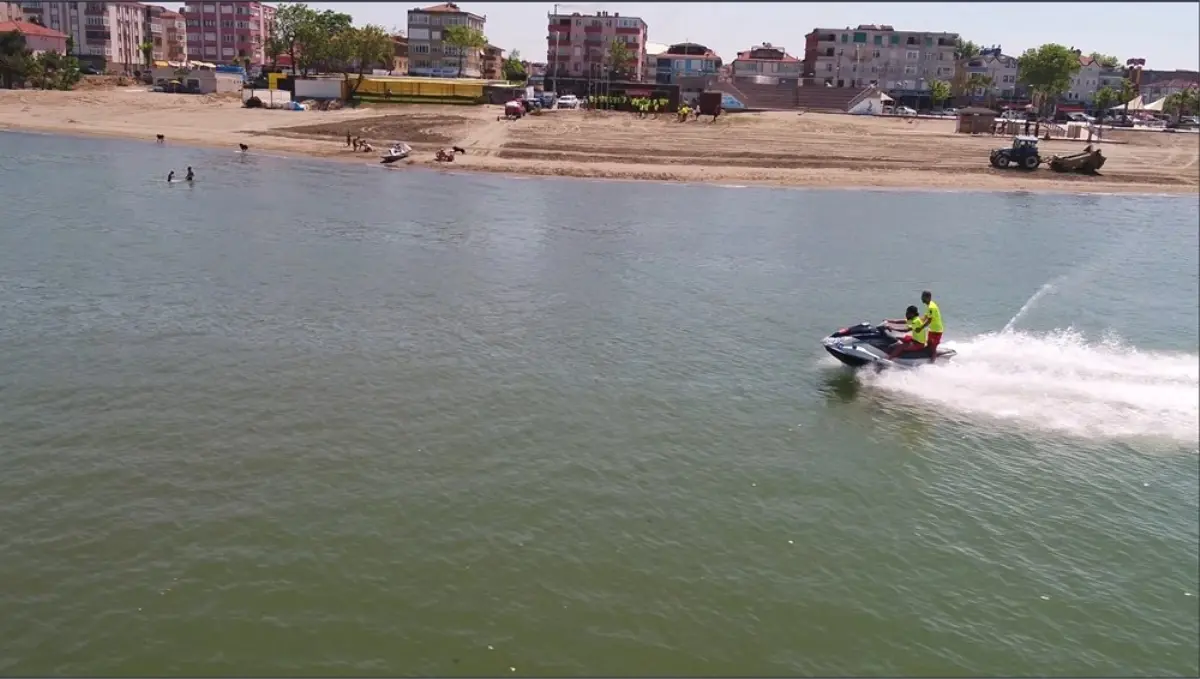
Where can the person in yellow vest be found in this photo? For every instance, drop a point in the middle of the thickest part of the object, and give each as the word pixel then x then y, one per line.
pixel 917 337
pixel 932 321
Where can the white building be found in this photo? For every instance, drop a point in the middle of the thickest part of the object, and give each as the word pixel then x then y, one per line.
pixel 1085 83
pixel 903 63
pixel 993 64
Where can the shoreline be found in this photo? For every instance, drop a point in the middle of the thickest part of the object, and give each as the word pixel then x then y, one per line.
pixel 824 151
pixel 1050 188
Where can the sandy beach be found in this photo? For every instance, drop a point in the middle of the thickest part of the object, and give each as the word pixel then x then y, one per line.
pixel 775 148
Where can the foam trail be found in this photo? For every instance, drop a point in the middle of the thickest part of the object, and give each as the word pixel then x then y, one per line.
pixel 1029 304
pixel 1060 382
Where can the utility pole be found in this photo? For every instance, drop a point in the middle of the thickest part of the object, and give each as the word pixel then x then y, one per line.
pixel 554 61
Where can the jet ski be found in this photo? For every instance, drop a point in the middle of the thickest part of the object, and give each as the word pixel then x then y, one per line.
pixel 866 344
pixel 397 152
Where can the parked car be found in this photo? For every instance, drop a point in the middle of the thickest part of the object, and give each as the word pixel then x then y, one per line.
pixel 905 111
pixel 568 101
pixel 952 112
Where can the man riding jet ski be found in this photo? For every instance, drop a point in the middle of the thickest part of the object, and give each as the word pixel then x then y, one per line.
pixel 864 344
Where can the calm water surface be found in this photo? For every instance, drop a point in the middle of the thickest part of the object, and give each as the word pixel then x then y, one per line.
pixel 318 419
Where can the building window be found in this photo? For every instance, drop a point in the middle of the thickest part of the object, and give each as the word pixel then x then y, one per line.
pixel 912 56
pixel 910 70
pixel 878 41
pixel 860 37
pixel 929 42
pixel 418 19
pixel 845 37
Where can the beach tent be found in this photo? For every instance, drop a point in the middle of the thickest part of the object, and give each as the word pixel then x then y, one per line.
pixel 885 98
pixel 1135 104
pixel 1156 106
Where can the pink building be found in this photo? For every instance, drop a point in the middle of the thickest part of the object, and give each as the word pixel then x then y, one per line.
pixel 106 34
pixel 11 11
pixel 228 32
pixel 580 46
pixel 38 39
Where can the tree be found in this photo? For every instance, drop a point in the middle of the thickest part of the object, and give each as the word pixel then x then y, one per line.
pixel 939 91
pixel 16 60
pixel 979 81
pixel 463 39
pixel 1104 99
pixel 274 48
pixel 513 69
pixel 619 59
pixel 1105 60
pixel 1047 70
pixel 357 50
pixel 1126 92
pixel 317 35
pixel 147 50
pixel 1183 103
pixel 289 19
pixel 965 49
pixel 54 71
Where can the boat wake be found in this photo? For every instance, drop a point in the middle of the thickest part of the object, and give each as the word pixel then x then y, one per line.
pixel 1061 382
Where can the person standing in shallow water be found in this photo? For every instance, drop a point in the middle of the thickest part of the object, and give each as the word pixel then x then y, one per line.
pixel 190 175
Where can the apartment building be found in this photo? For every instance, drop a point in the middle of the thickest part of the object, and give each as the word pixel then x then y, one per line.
pixel 580 45
pixel 685 60
pixel 904 63
pixel 428 55
pixel 107 34
pixel 1156 84
pixel 11 11
pixel 991 63
pixel 228 32
pixel 493 63
pixel 399 54
pixel 766 60
pixel 167 32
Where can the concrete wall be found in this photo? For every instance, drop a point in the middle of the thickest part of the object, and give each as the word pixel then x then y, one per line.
pixel 269 98
pixel 321 88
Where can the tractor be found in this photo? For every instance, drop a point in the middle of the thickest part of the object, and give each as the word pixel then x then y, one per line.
pixel 1024 153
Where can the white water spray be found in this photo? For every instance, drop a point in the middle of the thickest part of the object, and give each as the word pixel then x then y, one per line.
pixel 1048 287
pixel 1060 382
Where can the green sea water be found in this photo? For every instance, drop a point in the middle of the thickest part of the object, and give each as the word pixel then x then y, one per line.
pixel 318 419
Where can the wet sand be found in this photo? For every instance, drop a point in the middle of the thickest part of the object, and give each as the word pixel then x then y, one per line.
pixel 775 148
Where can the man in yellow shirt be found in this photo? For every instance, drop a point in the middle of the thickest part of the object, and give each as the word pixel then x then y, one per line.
pixel 917 336
pixel 932 321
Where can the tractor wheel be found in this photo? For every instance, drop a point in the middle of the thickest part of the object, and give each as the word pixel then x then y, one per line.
pixel 1002 160
pixel 1031 162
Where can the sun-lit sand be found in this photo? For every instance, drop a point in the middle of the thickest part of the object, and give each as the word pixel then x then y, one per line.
pixel 777 148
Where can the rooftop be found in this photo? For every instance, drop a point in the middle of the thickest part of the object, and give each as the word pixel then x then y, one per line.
pixel 748 55
pixel 27 28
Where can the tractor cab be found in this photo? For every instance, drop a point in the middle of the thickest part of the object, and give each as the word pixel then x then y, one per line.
pixel 1023 154
pixel 1023 144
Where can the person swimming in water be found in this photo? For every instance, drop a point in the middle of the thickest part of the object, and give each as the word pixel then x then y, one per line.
pixel 190 175
pixel 171 176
